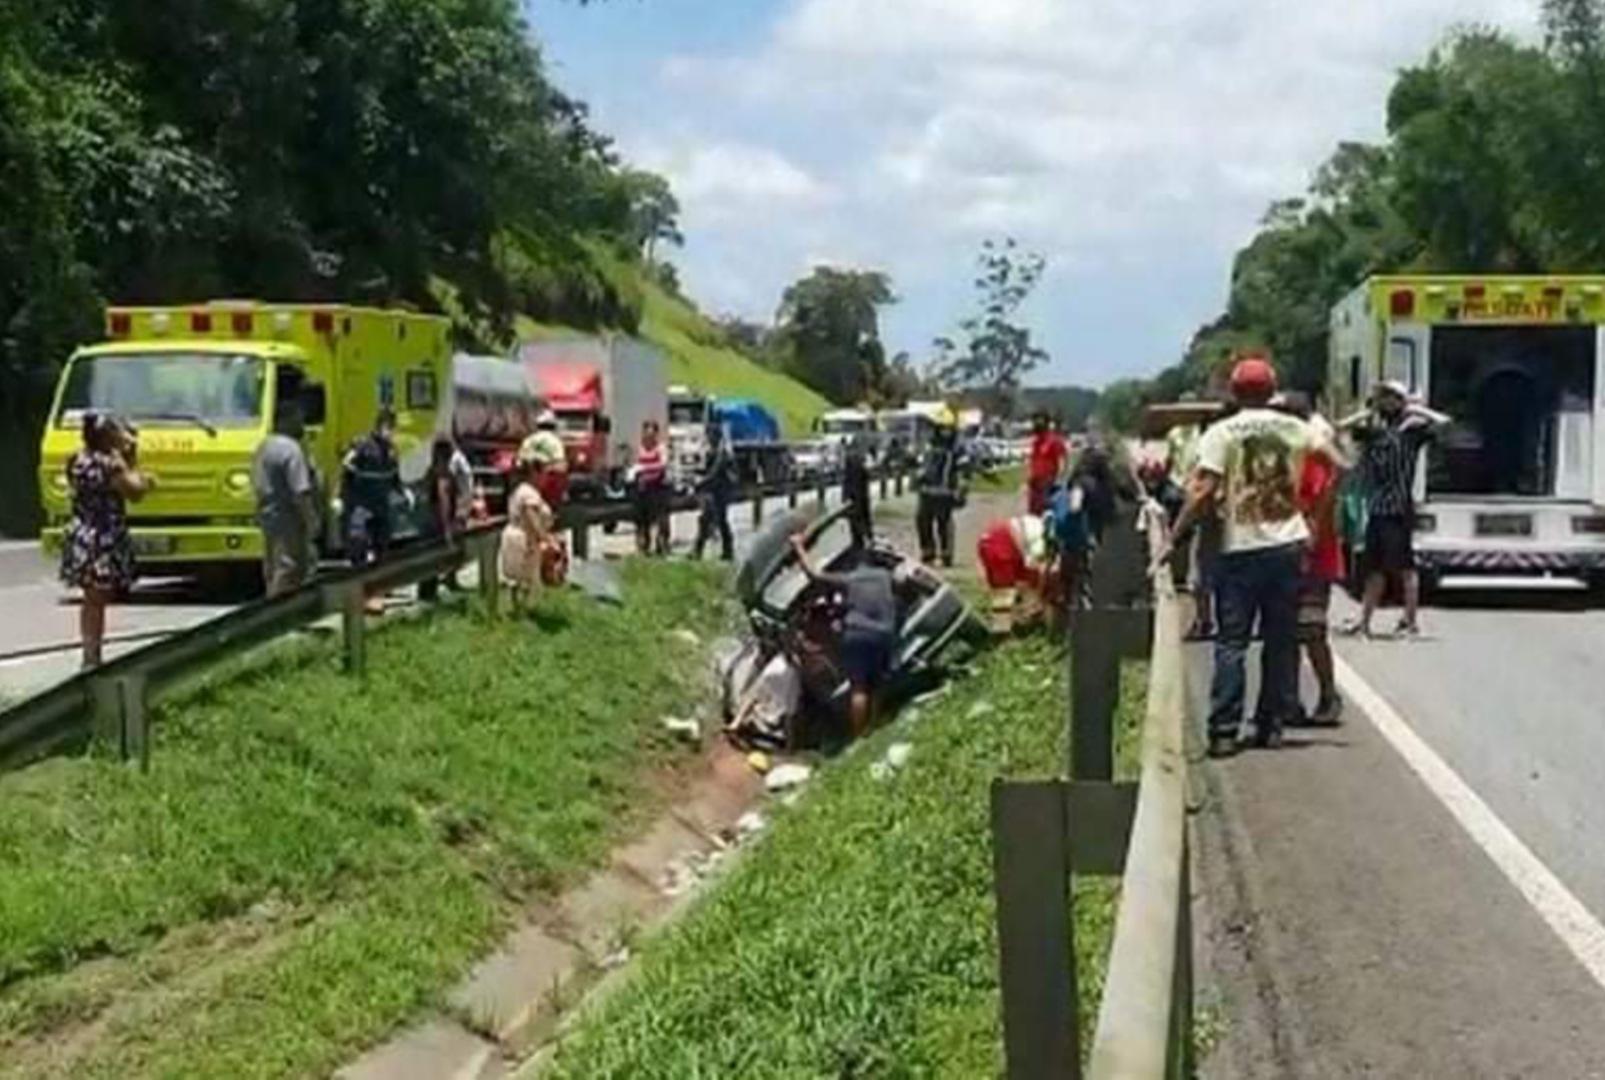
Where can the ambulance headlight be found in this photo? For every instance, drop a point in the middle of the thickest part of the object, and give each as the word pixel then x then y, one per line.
pixel 238 482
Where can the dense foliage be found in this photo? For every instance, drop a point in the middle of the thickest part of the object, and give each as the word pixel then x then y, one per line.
pixel 1492 162
pixel 364 150
pixel 827 332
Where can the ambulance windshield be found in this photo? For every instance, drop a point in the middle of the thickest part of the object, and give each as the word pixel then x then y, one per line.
pixel 208 390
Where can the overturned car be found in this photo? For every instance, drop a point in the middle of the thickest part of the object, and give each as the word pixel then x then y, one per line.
pixel 786 687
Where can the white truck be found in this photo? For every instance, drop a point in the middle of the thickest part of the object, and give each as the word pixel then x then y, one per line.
pixel 839 427
pixel 602 390
pixel 1516 483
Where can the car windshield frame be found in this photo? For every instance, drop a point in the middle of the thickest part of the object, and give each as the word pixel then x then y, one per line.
pixel 183 404
pixel 688 414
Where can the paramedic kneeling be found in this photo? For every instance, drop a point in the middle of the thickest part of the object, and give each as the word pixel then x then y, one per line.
pixel 868 629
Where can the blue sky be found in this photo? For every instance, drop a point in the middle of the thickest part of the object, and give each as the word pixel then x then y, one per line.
pixel 1135 145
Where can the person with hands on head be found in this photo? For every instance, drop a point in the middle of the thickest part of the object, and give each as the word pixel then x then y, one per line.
pixel 1391 433
pixel 1249 466
pixel 869 629
pixel 97 554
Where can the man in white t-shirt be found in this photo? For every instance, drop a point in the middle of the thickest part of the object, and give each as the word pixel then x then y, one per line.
pixel 1248 470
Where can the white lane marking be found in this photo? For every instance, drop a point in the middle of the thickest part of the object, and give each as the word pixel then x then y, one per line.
pixel 1573 923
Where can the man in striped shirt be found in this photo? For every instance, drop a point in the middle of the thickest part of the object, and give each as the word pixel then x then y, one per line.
pixel 1391 434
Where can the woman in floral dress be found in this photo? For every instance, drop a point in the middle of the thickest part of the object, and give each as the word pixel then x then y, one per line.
pixel 97 553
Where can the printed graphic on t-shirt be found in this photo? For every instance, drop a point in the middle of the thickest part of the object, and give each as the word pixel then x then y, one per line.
pixel 1258 454
pixel 1264 489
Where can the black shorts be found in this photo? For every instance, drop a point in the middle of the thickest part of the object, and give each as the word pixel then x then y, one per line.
pixel 1389 545
pixel 865 657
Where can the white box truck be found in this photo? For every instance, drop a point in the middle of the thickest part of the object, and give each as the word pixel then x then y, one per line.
pixel 602 390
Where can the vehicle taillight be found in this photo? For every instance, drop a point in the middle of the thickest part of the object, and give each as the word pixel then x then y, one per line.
pixel 242 323
pixel 1476 292
pixel 200 322
pixel 121 325
pixel 323 322
pixel 1402 304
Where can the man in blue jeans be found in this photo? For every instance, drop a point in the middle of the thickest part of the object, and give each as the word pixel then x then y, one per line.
pixel 1247 472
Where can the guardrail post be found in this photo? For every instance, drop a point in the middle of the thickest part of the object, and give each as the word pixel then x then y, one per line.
pixel 581 534
pixel 819 493
pixel 1036 951
pixel 757 507
pixel 117 705
pixel 886 486
pixel 490 574
pixel 791 496
pixel 898 485
pixel 354 630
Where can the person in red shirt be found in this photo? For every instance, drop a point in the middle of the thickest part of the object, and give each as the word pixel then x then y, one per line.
pixel 1048 454
pixel 652 494
pixel 1323 559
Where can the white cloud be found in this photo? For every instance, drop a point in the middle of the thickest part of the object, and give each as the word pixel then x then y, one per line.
pixel 714 175
pixel 1137 144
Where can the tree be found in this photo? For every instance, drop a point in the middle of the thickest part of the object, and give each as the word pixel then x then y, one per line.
pixel 378 151
pixel 654 211
pixel 828 327
pixel 997 352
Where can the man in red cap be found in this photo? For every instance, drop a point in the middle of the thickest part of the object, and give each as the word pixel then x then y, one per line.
pixel 1248 469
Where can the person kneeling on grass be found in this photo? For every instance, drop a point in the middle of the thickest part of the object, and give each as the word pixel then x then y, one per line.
pixel 527 536
pixel 869 629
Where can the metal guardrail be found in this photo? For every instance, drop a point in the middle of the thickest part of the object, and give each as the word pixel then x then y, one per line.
pixel 110 703
pixel 1045 832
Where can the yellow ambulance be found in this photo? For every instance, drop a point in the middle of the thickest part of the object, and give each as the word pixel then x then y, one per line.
pixel 1515 484
pixel 200 382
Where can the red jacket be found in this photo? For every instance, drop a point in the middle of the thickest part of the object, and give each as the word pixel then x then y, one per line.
pixel 1048 453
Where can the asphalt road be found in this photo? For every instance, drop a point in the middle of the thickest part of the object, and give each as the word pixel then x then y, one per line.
pixel 39 629
pixel 1351 925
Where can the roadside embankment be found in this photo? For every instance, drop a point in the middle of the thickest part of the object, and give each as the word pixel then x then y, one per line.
pixel 313 858
pixel 857 937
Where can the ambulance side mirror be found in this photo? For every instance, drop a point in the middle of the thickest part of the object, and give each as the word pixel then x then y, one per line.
pixel 314 405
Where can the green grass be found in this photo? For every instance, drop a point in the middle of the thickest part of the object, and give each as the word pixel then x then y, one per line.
pixel 858 938
pixel 313 858
pixel 1005 480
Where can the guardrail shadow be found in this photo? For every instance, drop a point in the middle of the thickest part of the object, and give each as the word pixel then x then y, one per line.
pixel 1047 832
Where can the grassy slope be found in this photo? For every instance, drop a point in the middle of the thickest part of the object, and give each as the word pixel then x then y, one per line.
pixel 697 358
pixel 311 859
pixel 858 939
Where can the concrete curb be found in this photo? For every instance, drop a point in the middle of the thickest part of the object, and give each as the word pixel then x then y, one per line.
pixel 514 1000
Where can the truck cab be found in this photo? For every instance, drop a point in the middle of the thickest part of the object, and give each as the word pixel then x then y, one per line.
pixel 1516 483
pixel 689 413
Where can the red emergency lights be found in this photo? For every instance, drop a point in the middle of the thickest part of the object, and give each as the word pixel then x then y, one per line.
pixel 323 322
pixel 242 323
pixel 1402 304
pixel 121 324
pixel 200 322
